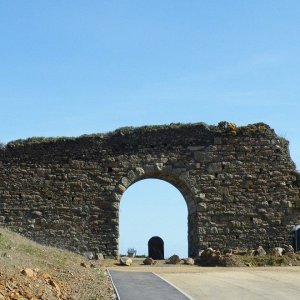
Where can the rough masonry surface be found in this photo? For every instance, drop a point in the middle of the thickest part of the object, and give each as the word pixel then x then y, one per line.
pixel 239 183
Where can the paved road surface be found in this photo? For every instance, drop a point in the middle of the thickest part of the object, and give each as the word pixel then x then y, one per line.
pixel 242 284
pixel 263 283
pixel 144 286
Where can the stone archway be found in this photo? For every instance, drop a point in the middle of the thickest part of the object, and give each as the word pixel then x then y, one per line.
pixel 66 192
pixel 153 207
pixel 179 182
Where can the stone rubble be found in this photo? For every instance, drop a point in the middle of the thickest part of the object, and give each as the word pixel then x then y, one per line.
pixel 174 259
pixel 260 251
pixel 125 261
pixel 149 261
pixel 189 261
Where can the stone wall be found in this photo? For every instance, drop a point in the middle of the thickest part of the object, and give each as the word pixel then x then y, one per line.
pixel 239 184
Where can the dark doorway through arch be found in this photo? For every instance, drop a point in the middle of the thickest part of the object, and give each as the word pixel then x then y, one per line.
pixel 156 248
pixel 296 238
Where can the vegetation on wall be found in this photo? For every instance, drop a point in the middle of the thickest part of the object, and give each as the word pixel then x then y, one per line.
pixel 223 127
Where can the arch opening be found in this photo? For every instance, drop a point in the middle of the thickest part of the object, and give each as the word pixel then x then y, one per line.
pixel 149 208
pixel 156 248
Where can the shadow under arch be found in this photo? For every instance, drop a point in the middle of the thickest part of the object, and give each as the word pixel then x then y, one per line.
pixel 180 182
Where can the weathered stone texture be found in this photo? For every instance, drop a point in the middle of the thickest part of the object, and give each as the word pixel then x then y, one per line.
pixel 239 183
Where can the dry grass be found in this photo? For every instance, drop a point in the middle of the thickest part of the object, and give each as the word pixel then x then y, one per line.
pixel 57 274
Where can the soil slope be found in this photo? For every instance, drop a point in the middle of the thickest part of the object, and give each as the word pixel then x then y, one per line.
pixel 32 271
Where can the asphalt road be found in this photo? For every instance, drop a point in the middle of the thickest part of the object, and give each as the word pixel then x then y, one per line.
pixel 143 286
pixel 262 283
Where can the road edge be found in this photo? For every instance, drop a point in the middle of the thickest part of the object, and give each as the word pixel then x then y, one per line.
pixel 113 284
pixel 174 286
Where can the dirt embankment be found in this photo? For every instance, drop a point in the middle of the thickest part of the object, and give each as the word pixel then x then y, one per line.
pixel 31 271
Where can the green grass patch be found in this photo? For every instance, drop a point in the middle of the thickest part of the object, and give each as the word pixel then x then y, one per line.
pixel 5 242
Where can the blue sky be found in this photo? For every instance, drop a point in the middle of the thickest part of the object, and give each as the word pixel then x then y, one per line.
pixel 150 208
pixel 74 67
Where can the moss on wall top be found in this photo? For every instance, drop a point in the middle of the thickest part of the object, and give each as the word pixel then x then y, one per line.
pixel 222 128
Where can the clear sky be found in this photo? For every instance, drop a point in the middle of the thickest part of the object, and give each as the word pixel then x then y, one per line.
pixel 74 67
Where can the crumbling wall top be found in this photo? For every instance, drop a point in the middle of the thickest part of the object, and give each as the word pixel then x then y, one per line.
pixel 223 128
